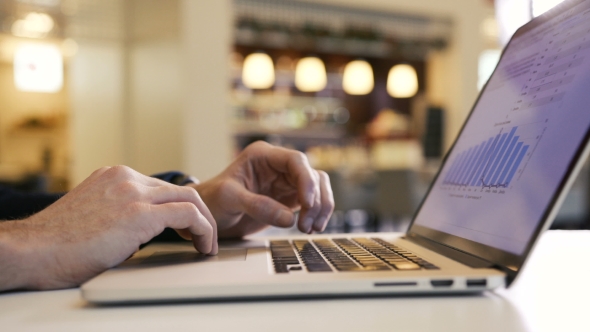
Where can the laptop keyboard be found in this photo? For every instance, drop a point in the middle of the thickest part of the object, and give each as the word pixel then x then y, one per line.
pixel 343 255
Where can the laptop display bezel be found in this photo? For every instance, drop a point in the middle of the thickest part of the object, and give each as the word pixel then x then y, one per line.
pixel 507 261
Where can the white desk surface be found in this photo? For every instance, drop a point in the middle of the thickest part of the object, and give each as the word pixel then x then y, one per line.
pixel 553 294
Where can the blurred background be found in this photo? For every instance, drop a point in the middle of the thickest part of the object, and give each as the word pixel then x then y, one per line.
pixel 374 92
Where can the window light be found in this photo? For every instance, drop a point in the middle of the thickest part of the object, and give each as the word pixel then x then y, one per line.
pixel 38 68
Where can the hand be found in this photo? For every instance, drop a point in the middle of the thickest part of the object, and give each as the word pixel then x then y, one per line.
pixel 98 225
pixel 264 186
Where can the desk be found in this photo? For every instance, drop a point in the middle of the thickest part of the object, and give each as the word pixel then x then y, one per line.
pixel 543 299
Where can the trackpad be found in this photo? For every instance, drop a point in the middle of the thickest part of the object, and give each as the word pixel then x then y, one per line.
pixel 183 257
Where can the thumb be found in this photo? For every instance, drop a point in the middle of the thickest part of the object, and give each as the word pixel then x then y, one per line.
pixel 265 209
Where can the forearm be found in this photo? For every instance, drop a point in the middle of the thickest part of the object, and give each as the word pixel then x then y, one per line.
pixel 15 270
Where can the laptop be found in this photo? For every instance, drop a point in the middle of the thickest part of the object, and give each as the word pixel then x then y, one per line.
pixel 498 188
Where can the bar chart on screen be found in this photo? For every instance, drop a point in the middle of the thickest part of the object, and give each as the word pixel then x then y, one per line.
pixel 496 163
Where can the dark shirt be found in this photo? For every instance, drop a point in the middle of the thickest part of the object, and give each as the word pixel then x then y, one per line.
pixel 18 205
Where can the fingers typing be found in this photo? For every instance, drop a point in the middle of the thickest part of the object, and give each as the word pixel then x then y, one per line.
pixel 185 215
pixel 264 209
pixel 327 202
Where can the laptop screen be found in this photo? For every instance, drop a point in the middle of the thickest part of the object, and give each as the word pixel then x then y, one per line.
pixel 521 138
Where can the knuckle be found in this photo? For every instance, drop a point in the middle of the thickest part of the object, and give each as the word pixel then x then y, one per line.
pixel 328 208
pixel 129 190
pixel 315 209
pixel 190 209
pixel 137 209
pixel 258 145
pixel 225 188
pixel 121 172
pixel 256 149
pixel 331 203
pixel 191 193
pixel 101 170
pixel 299 157
pixel 197 218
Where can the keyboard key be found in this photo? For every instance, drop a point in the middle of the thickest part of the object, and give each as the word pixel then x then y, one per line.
pixel 345 255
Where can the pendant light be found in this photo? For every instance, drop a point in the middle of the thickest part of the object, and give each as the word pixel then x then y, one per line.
pixel 402 81
pixel 258 71
pixel 358 78
pixel 310 75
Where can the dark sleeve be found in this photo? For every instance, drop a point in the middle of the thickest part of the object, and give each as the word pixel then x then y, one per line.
pixel 175 177
pixel 18 205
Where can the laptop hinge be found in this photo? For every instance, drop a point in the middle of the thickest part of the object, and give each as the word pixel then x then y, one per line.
pixel 454 254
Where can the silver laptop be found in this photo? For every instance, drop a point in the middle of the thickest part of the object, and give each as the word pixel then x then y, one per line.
pixel 498 188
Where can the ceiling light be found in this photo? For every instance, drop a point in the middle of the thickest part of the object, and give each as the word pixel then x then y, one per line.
pixel 310 75
pixel 358 78
pixel 258 71
pixel 34 25
pixel 402 81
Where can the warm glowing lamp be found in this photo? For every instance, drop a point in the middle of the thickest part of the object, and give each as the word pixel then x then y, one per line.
pixel 38 68
pixel 310 75
pixel 402 81
pixel 358 78
pixel 258 71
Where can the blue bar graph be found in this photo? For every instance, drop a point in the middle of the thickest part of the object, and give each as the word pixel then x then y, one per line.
pixel 510 162
pixel 492 163
pixel 466 162
pixel 515 166
pixel 465 179
pixel 499 156
pixel 472 180
pixel 454 167
pixel 483 167
pixel 505 159
pixel 493 158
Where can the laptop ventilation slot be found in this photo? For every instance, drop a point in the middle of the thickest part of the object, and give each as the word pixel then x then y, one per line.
pixel 477 282
pixel 442 283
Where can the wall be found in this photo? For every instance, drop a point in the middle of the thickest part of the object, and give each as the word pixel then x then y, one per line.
pixel 154 86
pixel 152 93
pixel 453 73
pixel 22 150
pixel 206 36
pixel 96 97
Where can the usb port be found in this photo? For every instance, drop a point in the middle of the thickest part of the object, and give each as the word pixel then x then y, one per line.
pixel 477 282
pixel 442 283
